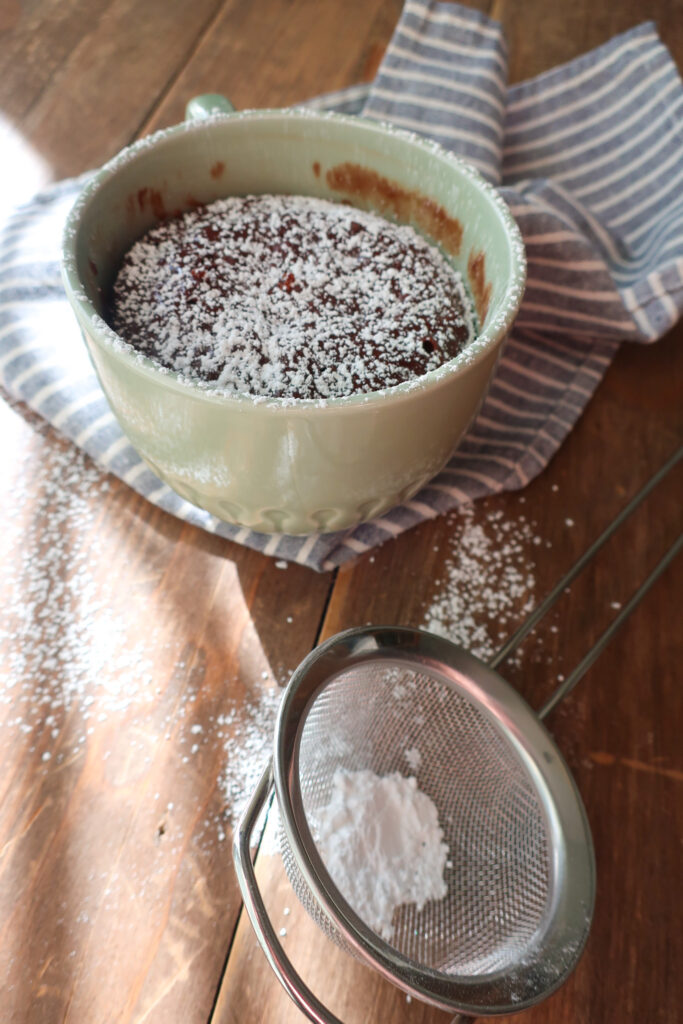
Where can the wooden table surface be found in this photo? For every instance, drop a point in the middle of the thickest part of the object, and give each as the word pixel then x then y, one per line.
pixel 141 659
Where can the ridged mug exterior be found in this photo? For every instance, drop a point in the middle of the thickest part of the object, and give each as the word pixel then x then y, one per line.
pixel 279 465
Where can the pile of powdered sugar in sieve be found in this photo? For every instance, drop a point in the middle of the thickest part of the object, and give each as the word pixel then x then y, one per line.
pixel 380 839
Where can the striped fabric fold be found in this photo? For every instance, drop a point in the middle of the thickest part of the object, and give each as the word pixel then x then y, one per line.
pixel 589 157
pixel 442 60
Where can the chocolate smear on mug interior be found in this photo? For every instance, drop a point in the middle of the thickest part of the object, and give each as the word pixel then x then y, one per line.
pixel 406 205
pixel 481 288
pixel 291 297
pixel 153 198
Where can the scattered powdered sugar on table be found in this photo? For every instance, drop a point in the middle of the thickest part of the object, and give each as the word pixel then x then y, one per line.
pixel 248 728
pixel 77 662
pixel 68 644
pixel 488 581
pixel 380 840
pixel 291 296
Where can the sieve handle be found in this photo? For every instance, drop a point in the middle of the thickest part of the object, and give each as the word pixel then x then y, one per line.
pixel 258 915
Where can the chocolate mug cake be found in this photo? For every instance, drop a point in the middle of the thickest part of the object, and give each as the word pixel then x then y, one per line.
pixel 290 297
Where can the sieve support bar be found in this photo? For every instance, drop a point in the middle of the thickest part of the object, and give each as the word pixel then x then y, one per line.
pixel 596 650
pixel 258 915
pixel 549 600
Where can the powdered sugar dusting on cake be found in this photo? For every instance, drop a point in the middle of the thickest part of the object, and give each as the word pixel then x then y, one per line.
pixel 291 296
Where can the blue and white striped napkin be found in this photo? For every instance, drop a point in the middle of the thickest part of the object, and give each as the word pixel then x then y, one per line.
pixel 589 157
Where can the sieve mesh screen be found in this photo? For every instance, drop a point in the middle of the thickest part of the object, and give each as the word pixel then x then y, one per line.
pixel 499 873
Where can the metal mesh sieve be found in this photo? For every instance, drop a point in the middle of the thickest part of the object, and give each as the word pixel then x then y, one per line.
pixel 499 874
pixel 521 883
pixel 518 906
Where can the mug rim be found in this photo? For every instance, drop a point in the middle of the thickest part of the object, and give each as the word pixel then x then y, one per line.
pixel 481 346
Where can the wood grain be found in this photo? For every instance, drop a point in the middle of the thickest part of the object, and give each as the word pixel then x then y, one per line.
pixel 121 768
pixel 111 63
pixel 141 658
pixel 620 706
pixel 277 54
pixel 551 34
pixel 631 426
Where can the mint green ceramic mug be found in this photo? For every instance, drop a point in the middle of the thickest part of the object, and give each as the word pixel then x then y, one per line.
pixel 277 465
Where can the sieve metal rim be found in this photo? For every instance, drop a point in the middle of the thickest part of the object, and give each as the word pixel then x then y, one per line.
pixel 572 849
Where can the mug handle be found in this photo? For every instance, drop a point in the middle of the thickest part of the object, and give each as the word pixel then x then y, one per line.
pixel 210 103
pixel 253 901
